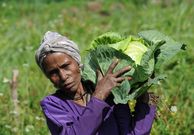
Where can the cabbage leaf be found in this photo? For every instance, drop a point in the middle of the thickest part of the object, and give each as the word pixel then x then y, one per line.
pixel 145 53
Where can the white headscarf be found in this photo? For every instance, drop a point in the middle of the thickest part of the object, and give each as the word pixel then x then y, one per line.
pixel 54 42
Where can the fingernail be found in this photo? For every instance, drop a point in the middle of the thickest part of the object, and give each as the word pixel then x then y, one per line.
pixel 129 67
pixel 129 78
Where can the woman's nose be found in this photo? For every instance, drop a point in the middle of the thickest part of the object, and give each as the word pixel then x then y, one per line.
pixel 62 75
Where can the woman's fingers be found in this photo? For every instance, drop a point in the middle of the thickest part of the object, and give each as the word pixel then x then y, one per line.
pixel 120 79
pixel 105 83
pixel 122 71
pixel 99 75
pixel 112 66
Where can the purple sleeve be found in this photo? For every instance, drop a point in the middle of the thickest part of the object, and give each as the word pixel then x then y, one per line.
pixel 61 122
pixel 144 118
pixel 140 124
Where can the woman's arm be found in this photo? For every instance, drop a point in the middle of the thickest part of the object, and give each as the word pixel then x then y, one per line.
pixel 142 121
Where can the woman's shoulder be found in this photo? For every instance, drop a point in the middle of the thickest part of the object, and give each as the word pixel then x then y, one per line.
pixel 54 109
pixel 50 99
pixel 53 105
pixel 55 100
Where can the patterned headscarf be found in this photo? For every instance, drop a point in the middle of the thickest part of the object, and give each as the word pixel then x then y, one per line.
pixel 54 42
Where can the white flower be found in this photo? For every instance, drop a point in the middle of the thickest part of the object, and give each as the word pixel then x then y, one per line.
pixel 7 126
pixel 13 112
pixel 28 128
pixel 15 129
pixel 5 80
pixel 4 4
pixel 39 118
pixel 1 94
pixel 173 109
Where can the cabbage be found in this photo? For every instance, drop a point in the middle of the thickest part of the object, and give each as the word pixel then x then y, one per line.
pixel 145 53
pixel 134 49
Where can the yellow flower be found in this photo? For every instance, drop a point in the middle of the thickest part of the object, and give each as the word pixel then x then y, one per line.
pixel 132 104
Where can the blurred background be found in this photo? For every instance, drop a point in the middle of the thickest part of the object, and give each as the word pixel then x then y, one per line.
pixel 24 22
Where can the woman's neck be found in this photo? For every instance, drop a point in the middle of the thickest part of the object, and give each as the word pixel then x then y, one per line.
pixel 80 95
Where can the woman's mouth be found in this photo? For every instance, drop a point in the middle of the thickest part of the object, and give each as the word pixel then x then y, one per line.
pixel 68 85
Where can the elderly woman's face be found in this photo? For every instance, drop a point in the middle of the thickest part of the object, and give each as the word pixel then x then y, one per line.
pixel 63 71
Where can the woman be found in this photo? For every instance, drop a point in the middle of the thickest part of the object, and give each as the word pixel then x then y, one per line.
pixel 79 108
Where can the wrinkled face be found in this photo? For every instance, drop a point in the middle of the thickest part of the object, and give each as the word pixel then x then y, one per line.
pixel 63 71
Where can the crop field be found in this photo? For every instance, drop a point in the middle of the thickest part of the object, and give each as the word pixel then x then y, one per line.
pixel 24 22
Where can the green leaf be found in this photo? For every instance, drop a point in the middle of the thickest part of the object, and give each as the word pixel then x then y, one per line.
pixel 107 38
pixel 121 93
pixel 135 50
pixel 166 51
pixel 100 58
pixel 139 91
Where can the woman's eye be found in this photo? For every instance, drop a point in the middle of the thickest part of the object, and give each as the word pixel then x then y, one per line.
pixel 65 66
pixel 53 73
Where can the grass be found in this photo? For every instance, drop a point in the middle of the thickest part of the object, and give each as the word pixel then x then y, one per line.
pixel 23 23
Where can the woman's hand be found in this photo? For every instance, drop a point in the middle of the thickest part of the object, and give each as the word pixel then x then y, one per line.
pixel 110 80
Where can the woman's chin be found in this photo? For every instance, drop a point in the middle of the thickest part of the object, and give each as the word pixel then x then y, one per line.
pixel 69 89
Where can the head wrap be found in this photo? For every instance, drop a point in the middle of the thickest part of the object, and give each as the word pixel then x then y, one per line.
pixel 54 42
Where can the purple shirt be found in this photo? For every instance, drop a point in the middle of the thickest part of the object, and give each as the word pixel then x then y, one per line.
pixel 65 117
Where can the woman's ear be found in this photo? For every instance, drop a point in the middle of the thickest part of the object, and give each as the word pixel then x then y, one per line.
pixel 81 67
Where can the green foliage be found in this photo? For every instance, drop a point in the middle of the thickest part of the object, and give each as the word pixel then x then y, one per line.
pixel 166 51
pixel 145 57
pixel 23 23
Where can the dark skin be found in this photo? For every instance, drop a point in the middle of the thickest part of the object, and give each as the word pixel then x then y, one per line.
pixel 64 72
pixel 110 80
